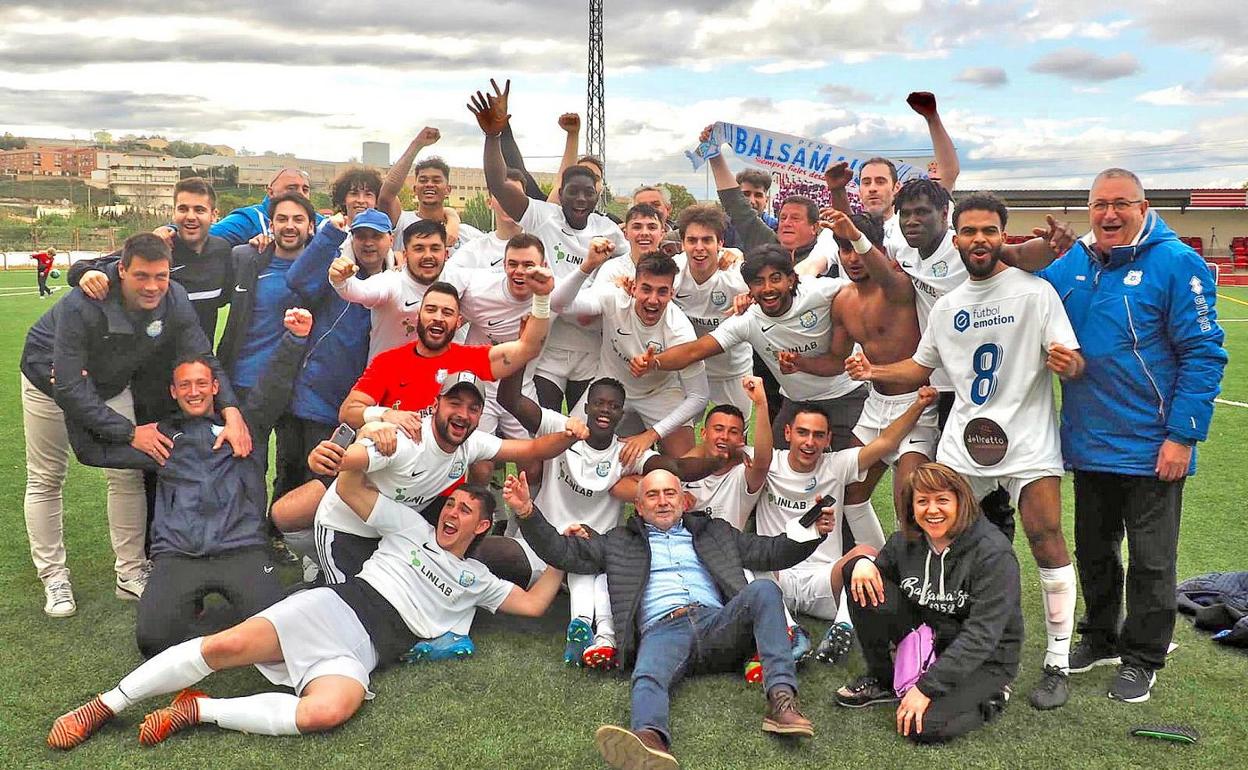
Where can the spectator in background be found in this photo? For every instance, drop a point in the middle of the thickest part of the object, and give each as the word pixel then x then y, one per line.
pixel 44 261
pixel 244 223
pixel 658 198
pixel 756 187
pixel 76 369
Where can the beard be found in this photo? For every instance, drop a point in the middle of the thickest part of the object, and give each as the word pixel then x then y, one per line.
pixel 975 270
pixel 422 332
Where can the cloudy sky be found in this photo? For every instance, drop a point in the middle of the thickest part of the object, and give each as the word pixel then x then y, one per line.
pixel 1036 93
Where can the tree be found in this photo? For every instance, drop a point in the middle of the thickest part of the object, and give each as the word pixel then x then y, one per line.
pixel 10 142
pixel 180 149
pixel 477 213
pixel 103 137
pixel 681 197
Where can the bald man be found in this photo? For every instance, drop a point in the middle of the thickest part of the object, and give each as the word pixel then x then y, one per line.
pixel 682 605
pixel 244 223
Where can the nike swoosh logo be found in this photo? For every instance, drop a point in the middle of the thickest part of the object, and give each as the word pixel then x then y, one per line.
pixel 683 296
pixel 417 473
pixel 263 275
pixel 239 288
pixel 430 550
pixel 622 333
pixel 267 570
pixel 765 329
pixel 176 269
pixel 495 322
pixel 496 262
pixel 409 304
pixel 916 441
pixel 1060 638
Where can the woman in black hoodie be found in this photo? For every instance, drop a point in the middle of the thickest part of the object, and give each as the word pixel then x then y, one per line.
pixel 950 568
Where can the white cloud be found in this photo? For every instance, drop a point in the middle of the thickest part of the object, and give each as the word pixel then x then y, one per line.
pixel 1174 96
pixel 988 77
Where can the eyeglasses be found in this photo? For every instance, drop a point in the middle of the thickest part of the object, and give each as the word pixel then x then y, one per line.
pixel 1119 206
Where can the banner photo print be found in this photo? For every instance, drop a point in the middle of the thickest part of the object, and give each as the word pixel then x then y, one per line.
pixel 796 164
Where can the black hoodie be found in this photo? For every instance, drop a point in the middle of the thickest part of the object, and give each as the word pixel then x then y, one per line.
pixel 969 595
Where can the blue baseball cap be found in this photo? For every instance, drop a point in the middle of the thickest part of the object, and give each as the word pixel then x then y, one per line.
pixel 372 219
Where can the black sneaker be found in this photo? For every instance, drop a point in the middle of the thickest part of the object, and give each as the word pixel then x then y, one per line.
pixel 864 691
pixel 1085 656
pixel 1132 684
pixel 836 644
pixel 1053 690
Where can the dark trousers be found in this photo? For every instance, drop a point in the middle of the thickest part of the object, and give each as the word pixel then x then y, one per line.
pixel 296 438
pixel 843 414
pixel 42 277
pixel 771 387
pixel 708 640
pixel 1147 510
pixel 971 705
pixel 171 608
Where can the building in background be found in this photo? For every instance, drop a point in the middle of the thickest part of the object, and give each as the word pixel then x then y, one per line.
pixel 376 154
pixel 49 160
pixel 143 179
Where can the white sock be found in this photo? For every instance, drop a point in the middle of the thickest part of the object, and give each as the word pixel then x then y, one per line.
pixel 1058 584
pixel 178 667
pixel 604 620
pixel 581 597
pixel 842 610
pixel 864 524
pixel 269 713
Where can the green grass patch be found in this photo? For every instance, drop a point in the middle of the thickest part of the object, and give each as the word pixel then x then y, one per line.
pixel 516 706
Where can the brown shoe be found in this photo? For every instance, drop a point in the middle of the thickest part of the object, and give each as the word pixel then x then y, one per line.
pixel 628 750
pixel 783 716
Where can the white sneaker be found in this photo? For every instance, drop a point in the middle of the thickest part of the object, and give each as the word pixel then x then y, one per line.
pixel 60 599
pixel 131 588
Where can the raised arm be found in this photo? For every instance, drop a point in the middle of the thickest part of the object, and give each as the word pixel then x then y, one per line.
pixel 678 357
pixel 764 442
pixel 924 103
pixel 491 114
pixel 396 177
pixel 570 122
pixel 515 159
pixel 543 447
pixel 509 357
pixel 567 298
pixel 308 275
pixel 890 438
pixel 520 406
pixel 267 402
pixel 1050 242
pixel 898 289
pixel 344 280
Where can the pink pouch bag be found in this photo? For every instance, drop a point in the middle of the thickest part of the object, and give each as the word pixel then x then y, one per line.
pixel 915 653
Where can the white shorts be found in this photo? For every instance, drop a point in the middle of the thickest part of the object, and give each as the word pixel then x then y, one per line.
pixel 982 486
pixel 729 391
pixel 561 366
pixel 649 410
pixel 320 635
pixel 807 589
pixel 494 417
pixel 880 411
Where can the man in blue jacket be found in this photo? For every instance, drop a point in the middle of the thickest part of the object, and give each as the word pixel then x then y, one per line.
pixel 339 350
pixel 246 222
pixel 208 534
pixel 1142 305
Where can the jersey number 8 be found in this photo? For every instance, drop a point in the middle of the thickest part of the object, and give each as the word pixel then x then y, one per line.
pixel 985 362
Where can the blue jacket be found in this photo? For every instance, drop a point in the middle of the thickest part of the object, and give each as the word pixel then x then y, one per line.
pixel 246 222
pixel 210 502
pixel 1146 322
pixel 339 350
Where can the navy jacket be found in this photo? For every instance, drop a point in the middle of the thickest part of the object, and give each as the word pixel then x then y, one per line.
pixel 339 350
pixel 96 347
pixel 211 502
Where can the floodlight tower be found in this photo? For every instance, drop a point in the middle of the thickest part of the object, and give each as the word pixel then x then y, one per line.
pixel 595 125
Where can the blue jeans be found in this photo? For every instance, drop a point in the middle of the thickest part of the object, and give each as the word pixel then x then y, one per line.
pixel 709 640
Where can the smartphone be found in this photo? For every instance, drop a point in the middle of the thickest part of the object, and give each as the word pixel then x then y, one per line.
pixel 343 436
pixel 816 510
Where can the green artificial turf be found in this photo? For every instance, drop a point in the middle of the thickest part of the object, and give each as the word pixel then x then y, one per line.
pixel 516 706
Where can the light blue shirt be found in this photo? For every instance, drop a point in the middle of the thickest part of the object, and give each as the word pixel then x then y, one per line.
pixel 677 577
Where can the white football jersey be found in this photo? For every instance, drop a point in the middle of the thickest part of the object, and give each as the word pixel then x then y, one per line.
pixel 789 494
pixel 433 590
pixel 484 253
pixel 724 496
pixel 467 233
pixel 576 485
pixel 992 337
pixel 933 278
pixel 707 305
pixel 806 329
pixel 492 311
pixel 565 251
pixel 625 336
pixel 414 475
